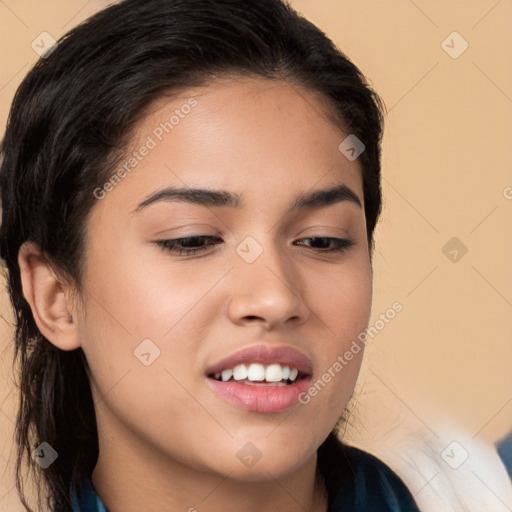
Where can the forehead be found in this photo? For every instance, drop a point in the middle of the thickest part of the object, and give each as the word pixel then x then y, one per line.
pixel 251 136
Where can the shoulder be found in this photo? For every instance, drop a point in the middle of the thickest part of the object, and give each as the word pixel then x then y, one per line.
pixel 360 482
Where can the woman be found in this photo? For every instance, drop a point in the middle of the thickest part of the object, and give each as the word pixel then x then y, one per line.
pixel 189 194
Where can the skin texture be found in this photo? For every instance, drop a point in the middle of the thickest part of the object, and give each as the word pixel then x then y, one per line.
pixel 167 441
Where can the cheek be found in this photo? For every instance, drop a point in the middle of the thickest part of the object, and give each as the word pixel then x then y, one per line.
pixel 154 404
pixel 137 306
pixel 343 301
pixel 342 305
pixel 147 297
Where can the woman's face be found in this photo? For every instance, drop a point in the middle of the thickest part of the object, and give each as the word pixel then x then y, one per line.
pixel 158 326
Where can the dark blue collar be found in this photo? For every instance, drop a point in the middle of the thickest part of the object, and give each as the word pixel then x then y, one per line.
pixel 90 501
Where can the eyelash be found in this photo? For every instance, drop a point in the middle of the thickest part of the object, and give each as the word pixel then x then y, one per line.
pixel 340 244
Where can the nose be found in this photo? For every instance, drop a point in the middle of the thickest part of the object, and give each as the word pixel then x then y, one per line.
pixel 268 291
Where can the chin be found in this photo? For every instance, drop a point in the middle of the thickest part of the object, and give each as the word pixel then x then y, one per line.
pixel 265 458
pixel 263 471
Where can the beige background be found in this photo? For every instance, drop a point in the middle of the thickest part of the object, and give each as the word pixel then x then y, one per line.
pixel 441 368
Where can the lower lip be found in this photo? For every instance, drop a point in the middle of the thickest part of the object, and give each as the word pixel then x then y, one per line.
pixel 265 398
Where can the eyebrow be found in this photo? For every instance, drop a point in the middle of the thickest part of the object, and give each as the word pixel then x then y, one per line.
pixel 222 198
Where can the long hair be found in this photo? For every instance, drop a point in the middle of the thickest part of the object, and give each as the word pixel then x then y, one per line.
pixel 70 120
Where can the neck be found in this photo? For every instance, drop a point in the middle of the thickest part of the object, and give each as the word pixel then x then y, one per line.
pixel 131 475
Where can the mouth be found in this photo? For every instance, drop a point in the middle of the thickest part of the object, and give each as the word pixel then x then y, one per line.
pixel 261 378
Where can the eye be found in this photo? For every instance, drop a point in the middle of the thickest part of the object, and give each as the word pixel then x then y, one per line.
pixel 330 244
pixel 189 244
pixel 194 244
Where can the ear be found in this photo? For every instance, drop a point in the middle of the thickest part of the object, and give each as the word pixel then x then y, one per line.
pixel 49 298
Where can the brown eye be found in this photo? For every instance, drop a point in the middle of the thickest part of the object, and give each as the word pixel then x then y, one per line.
pixel 330 244
pixel 189 244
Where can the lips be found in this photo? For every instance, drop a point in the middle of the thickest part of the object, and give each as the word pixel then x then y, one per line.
pixel 263 354
pixel 263 396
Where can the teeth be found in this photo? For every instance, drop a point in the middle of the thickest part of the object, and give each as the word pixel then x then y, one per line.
pixel 240 372
pixel 274 373
pixel 257 372
pixel 227 374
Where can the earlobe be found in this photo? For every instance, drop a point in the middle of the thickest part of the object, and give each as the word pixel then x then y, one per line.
pixel 47 297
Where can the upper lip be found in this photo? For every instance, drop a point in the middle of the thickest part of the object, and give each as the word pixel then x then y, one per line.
pixel 264 354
